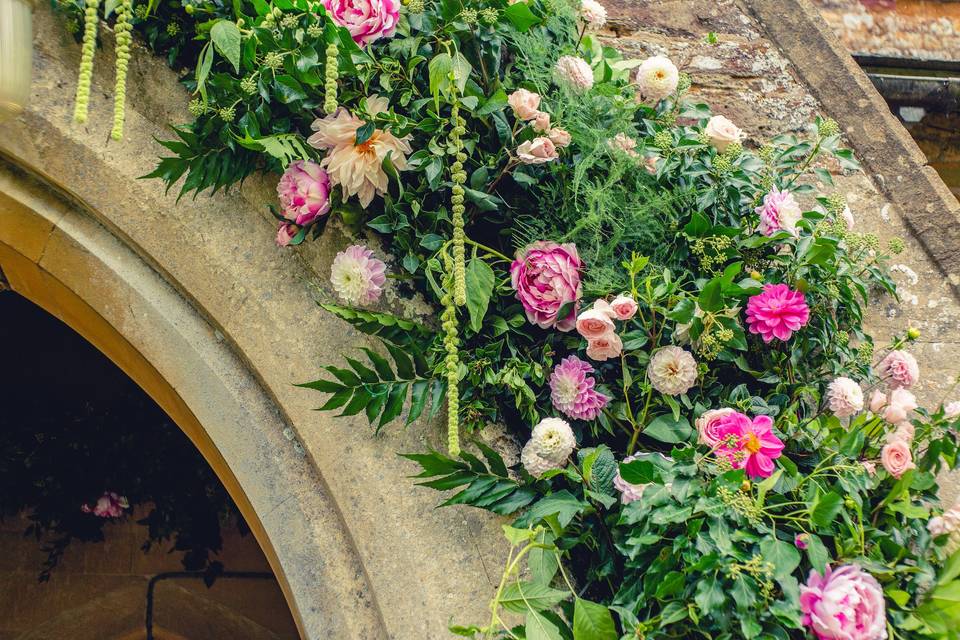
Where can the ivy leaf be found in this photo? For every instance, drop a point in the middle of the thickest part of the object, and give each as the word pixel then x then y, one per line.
pixel 592 621
pixel 480 280
pixel 521 16
pixel 825 509
pixel 667 429
pixel 783 555
pixel 225 36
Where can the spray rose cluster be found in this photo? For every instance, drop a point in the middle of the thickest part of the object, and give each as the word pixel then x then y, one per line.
pixel 545 147
pixel 597 326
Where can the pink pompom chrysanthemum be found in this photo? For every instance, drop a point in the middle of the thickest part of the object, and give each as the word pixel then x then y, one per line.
pixel 357 276
pixel 574 73
pixel 899 369
pixel 572 390
pixel 748 444
pixel 777 312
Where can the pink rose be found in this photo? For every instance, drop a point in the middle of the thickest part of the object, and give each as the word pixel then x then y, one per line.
pixel 537 151
pixel 869 467
pixel 899 369
pixel 304 192
pixel 896 458
pixel 286 233
pixel 722 132
pixel 546 277
pixel 899 406
pixel 594 323
pixel 560 137
pixel 878 400
pixel 905 431
pixel 708 425
pixel 844 604
pixel 541 122
pixel 605 347
pixel 650 164
pixel 525 104
pixel 624 307
pixel 366 20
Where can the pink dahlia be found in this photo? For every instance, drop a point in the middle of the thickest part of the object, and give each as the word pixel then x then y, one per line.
pixel 572 390
pixel 779 212
pixel 304 192
pixel 777 312
pixel 749 444
pixel 546 277
pixel 844 604
pixel 899 369
pixel 366 20
pixel 357 276
pixel 109 505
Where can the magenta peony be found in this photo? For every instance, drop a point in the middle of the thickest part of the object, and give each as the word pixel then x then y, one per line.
pixel 304 192
pixel 572 390
pixel 899 369
pixel 779 212
pixel 749 444
pixel 357 276
pixel 708 426
pixel 777 312
pixel 574 73
pixel 546 277
pixel 109 505
pixel 843 604
pixel 366 20
pixel 628 492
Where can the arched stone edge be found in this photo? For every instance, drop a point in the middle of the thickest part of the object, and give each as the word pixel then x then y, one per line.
pixel 57 255
pixel 890 156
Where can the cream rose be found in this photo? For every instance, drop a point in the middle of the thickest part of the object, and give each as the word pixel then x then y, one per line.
pixel 722 133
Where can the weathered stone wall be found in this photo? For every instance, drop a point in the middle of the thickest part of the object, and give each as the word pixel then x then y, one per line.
pixel 899 28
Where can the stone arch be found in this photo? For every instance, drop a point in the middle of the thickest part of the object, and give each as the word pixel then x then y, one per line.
pixel 77 270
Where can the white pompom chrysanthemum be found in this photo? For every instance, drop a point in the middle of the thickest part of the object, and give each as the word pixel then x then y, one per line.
pixel 534 464
pixel 672 371
pixel 553 440
pixel 574 73
pixel 657 78
pixel 845 397
pixel 593 13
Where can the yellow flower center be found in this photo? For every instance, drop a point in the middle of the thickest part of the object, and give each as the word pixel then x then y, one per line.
pixel 366 148
pixel 752 443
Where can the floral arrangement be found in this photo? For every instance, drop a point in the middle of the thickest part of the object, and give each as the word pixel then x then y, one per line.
pixel 666 315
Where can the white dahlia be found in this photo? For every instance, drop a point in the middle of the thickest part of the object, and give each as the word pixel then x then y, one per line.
pixel 672 371
pixel 553 440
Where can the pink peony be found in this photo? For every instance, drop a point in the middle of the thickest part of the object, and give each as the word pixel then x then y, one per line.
pixel 537 151
pixel 779 212
pixel 628 492
pixel 777 312
pixel 109 505
pixel 357 276
pixel 304 192
pixel 286 233
pixel 899 369
pixel 605 347
pixel 546 277
pixel 595 322
pixel 560 137
pixel 366 20
pixel 899 406
pixel 574 73
pixel 572 390
pixel 896 458
pixel 749 444
pixel 525 104
pixel 844 604
pixel 708 425
pixel 624 307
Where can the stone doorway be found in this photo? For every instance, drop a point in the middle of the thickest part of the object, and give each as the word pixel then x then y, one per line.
pixel 110 588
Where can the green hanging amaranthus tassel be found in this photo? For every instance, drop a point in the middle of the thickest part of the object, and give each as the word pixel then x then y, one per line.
pixel 122 30
pixel 451 343
pixel 331 74
pixel 90 21
pixel 458 176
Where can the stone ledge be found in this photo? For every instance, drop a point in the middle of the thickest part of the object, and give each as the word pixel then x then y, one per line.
pixel 885 148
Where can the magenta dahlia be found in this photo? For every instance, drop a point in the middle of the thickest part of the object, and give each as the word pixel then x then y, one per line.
pixel 777 312
pixel 572 392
